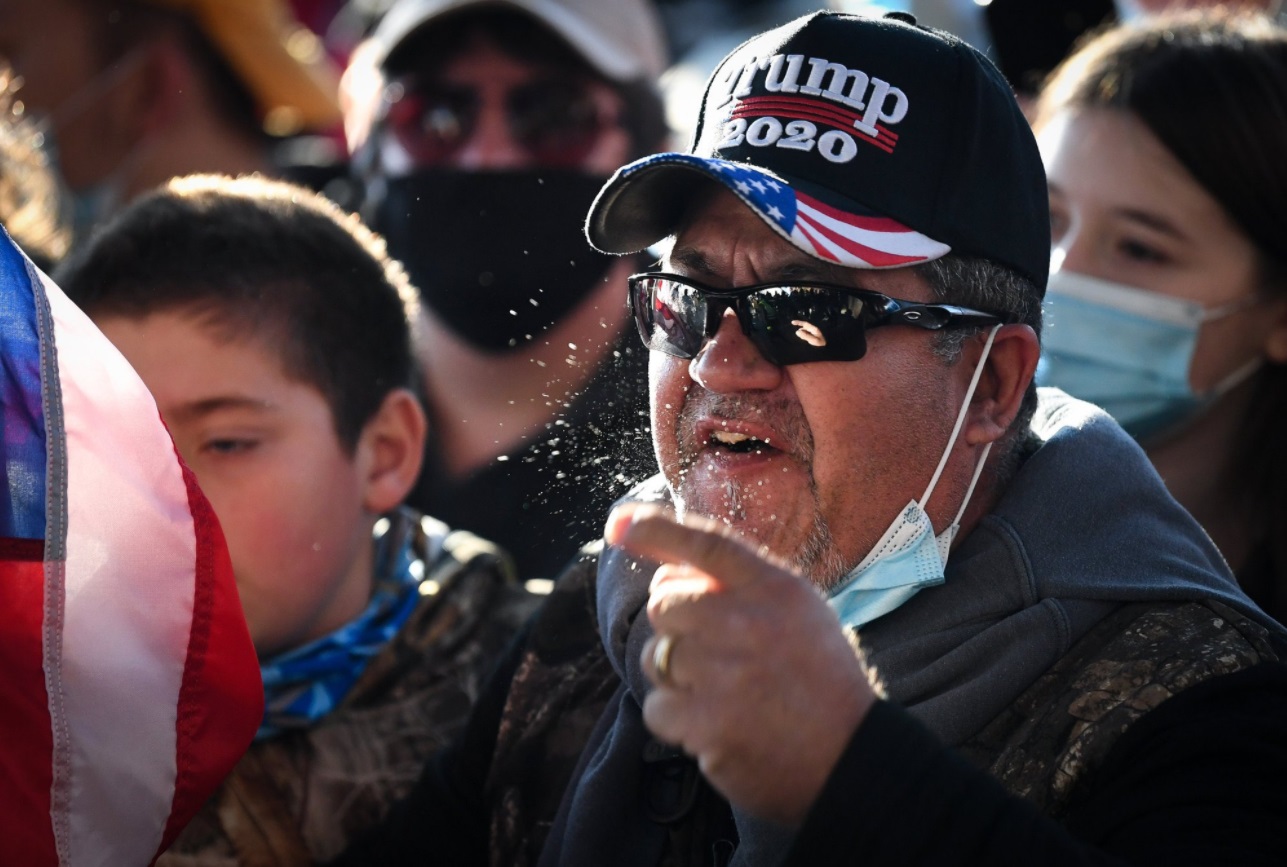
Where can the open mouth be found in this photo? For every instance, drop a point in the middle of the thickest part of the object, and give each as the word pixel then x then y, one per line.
pixel 738 443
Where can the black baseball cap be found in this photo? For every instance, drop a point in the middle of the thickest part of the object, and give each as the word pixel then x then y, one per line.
pixel 870 142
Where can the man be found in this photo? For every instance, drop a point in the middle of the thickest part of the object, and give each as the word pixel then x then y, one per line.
pixel 134 92
pixel 1027 653
pixel 496 125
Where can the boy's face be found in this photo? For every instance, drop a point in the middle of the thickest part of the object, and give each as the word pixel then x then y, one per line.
pixel 266 454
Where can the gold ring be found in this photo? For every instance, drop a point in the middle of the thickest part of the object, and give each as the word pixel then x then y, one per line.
pixel 661 658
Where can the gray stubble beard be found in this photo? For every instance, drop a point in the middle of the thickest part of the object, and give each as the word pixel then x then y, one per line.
pixel 818 559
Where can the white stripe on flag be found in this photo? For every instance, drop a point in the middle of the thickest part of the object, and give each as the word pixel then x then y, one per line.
pixel 899 243
pixel 131 550
pixel 824 245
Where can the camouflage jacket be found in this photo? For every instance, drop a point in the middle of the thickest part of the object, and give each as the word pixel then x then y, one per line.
pixel 1048 744
pixel 1046 747
pixel 300 797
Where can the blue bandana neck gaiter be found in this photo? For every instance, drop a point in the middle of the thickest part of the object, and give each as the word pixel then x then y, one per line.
pixel 303 685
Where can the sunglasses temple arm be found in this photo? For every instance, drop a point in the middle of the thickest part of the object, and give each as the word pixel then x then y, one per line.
pixel 966 316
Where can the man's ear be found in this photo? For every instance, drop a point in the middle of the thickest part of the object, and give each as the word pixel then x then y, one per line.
pixel 390 451
pixel 154 98
pixel 998 398
pixel 1276 342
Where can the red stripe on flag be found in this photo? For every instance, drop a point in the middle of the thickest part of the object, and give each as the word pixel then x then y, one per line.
pixel 870 255
pixel 26 739
pixel 819 248
pixel 220 676
pixel 871 224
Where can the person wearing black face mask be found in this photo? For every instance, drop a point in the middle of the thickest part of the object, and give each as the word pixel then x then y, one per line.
pixel 481 136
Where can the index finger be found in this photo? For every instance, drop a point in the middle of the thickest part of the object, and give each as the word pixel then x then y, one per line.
pixel 660 535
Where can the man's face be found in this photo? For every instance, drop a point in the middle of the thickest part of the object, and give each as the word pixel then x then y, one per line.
pixel 51 45
pixel 485 110
pixel 264 449
pixel 843 446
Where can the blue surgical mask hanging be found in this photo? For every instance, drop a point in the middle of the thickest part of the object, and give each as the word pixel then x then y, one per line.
pixel 1130 351
pixel 909 557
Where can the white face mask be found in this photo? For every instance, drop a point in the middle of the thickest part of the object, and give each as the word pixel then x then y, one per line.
pixel 909 556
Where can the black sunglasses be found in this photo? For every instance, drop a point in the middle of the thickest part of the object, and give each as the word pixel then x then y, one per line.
pixel 555 120
pixel 789 323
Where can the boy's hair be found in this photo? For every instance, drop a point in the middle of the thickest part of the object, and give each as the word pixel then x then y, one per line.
pixel 257 258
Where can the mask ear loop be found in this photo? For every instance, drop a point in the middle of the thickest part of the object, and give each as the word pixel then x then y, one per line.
pixel 956 430
pixel 103 82
pixel 1237 305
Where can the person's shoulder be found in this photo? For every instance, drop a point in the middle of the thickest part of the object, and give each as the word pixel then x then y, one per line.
pixel 1137 660
pixel 1146 653
pixel 468 586
pixel 561 685
pixel 1149 653
pixel 203 842
pixel 563 660
pixel 468 608
pixel 567 624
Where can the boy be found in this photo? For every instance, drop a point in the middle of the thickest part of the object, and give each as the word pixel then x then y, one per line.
pixel 274 333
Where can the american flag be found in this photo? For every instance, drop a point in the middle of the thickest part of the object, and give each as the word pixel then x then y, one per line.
pixel 128 684
pixel 853 239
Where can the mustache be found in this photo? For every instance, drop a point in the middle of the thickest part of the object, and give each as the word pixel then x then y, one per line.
pixel 817 557
pixel 792 435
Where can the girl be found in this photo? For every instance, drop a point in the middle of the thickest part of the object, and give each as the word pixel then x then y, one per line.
pixel 1164 145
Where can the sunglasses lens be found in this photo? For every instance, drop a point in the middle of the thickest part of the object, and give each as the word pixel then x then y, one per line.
pixel 557 122
pixel 796 324
pixel 671 316
pixel 787 324
pixel 431 122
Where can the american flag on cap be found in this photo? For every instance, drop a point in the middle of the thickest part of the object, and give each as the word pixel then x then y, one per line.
pixel 128 683
pixel 847 236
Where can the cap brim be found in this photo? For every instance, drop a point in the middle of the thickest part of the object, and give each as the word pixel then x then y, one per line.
pixel 647 201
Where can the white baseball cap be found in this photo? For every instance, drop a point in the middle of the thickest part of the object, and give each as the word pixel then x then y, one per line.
pixel 621 39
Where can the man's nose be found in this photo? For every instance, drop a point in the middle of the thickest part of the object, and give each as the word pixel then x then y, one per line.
pixel 491 145
pixel 730 362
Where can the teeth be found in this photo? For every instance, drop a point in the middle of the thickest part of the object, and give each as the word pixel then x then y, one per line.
pixel 728 437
